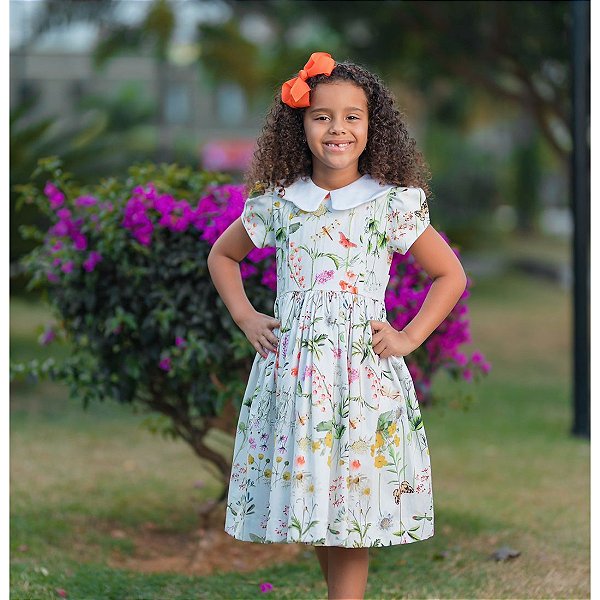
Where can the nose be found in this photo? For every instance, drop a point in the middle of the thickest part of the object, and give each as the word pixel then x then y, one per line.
pixel 337 126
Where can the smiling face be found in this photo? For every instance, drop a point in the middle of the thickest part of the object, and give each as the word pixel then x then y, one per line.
pixel 336 125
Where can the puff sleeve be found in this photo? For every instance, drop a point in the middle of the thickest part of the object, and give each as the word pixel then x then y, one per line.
pixel 257 218
pixel 407 217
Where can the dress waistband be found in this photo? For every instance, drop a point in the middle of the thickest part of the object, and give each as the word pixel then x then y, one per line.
pixel 355 291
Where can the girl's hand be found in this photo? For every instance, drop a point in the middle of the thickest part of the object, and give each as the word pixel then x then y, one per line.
pixel 388 341
pixel 257 328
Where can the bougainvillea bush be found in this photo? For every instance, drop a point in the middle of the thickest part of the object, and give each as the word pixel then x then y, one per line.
pixel 123 266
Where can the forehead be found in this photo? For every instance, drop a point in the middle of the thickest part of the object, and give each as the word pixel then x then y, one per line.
pixel 339 95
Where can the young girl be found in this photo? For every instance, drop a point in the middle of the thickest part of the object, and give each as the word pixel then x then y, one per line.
pixel 330 448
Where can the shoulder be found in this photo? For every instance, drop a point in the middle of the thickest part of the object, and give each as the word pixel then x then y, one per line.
pixel 406 198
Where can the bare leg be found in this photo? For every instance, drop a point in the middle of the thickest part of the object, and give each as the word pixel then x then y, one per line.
pixel 322 554
pixel 348 569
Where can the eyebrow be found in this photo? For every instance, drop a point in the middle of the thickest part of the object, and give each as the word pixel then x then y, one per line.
pixel 355 108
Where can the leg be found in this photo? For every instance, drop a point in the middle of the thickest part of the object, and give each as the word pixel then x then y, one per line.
pixel 348 570
pixel 322 554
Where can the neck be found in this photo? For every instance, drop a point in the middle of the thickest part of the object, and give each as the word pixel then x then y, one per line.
pixel 332 180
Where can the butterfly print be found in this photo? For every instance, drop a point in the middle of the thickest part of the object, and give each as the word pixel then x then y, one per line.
pixel 405 488
pixel 344 241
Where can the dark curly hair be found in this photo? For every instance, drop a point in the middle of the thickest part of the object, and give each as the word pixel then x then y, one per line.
pixel 282 154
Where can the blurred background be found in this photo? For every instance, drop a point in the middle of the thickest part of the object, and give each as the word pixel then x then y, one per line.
pixel 486 90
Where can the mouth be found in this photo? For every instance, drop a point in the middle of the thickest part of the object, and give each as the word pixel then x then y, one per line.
pixel 338 146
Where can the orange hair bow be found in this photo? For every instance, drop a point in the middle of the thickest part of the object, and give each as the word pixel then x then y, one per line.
pixel 295 92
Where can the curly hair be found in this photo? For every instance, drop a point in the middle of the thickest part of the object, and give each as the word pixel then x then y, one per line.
pixel 282 154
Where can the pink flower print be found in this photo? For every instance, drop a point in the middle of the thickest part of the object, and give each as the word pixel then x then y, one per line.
pixel 165 364
pixel 252 442
pixel 352 374
pixel 308 371
pixel 300 460
pixel 355 464
pixel 337 353
pixel 324 276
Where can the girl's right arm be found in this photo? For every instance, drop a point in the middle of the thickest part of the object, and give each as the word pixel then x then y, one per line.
pixel 223 263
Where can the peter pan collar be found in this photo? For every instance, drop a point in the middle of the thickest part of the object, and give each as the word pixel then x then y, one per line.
pixel 308 196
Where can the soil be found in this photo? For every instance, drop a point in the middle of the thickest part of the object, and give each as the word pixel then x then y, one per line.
pixel 200 552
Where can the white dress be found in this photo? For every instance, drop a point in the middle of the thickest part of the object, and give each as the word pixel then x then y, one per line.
pixel 330 448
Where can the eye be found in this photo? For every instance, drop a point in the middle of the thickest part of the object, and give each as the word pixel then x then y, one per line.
pixel 353 117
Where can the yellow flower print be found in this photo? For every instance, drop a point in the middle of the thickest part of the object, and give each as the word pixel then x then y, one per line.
pixel 392 429
pixel 329 461
pixel 367 491
pixel 311 488
pixel 316 445
pixel 329 439
pixel 287 475
pixel 378 440
pixel 372 449
pixel 261 456
pixel 250 459
pixel 278 459
pixel 380 461
pixel 396 440
pixel 268 472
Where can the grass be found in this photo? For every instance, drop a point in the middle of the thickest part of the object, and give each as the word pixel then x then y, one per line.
pixel 506 471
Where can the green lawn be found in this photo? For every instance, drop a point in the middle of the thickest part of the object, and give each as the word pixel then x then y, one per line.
pixel 505 472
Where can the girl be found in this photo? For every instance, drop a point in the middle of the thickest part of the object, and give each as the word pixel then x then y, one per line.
pixel 330 448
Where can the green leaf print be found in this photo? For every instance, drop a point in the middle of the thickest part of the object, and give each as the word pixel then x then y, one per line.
pixel 293 228
pixel 335 258
pixel 416 422
pixel 314 344
pixel 385 420
pixel 325 425
pixel 256 538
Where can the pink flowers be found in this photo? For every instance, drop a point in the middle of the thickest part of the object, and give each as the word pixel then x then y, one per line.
pixel 137 221
pixel 165 363
pixel 55 196
pixel 92 260
pixel 266 587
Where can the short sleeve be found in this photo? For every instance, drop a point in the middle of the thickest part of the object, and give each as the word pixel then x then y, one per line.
pixel 407 217
pixel 257 218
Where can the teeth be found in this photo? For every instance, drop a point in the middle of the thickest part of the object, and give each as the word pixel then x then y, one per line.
pixel 339 145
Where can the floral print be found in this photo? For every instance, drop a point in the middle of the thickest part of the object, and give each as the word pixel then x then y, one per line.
pixel 330 448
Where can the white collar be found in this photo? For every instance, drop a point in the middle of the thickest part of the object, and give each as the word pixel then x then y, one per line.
pixel 308 196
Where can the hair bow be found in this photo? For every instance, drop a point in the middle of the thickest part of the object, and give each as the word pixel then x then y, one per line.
pixel 295 91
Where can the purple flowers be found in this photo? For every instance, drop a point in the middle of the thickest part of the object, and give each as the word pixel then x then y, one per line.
pixel 266 587
pixel 165 363
pixel 55 196
pixel 92 260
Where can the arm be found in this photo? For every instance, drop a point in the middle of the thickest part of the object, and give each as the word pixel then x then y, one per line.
pixel 449 282
pixel 223 260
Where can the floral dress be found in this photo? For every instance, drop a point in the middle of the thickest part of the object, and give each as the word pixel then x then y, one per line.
pixel 330 448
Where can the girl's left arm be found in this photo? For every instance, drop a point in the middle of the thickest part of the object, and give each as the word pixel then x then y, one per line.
pixel 434 255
